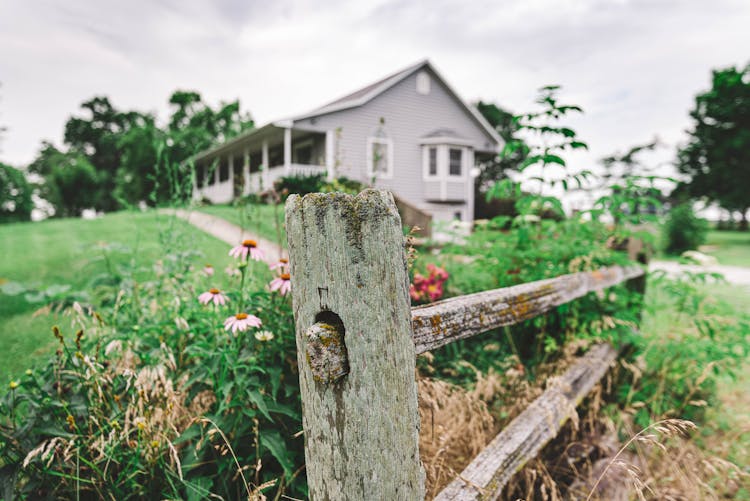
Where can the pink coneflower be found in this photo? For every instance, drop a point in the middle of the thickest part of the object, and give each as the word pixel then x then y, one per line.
pixel 283 263
pixel 282 283
pixel 241 322
pixel 248 247
pixel 208 270
pixel 214 295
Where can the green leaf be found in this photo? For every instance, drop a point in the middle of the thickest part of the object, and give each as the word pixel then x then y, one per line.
pixel 259 402
pixel 272 441
pixel 553 159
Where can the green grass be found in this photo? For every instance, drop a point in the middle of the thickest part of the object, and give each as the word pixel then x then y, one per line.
pixel 729 247
pixel 725 430
pixel 254 218
pixel 71 251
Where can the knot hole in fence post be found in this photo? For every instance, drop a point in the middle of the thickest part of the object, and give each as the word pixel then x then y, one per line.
pixel 325 348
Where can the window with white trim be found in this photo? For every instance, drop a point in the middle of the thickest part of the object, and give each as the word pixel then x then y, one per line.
pixel 455 162
pixel 444 162
pixel 432 161
pixel 379 157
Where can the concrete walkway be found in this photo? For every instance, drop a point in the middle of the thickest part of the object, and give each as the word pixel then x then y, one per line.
pixel 733 274
pixel 227 232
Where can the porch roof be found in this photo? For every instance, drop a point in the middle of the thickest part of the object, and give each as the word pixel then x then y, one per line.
pixel 254 135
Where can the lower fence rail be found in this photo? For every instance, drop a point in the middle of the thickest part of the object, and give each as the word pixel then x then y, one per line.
pixel 530 431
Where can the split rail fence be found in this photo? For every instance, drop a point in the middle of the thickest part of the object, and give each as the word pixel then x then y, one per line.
pixel 357 339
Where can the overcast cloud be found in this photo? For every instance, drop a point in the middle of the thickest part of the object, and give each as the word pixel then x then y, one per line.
pixel 634 66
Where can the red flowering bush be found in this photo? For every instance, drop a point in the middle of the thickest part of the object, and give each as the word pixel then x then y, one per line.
pixel 430 288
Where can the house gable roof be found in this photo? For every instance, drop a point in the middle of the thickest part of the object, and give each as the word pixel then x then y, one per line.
pixel 369 92
pixel 359 98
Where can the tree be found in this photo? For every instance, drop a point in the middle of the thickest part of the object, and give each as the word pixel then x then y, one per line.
pixel 70 183
pixel 96 135
pixel 506 125
pixel 717 156
pixel 124 157
pixel 15 195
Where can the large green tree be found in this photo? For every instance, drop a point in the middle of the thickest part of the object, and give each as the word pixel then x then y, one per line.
pixel 96 134
pixel 70 182
pixel 15 195
pixel 717 156
pixel 124 157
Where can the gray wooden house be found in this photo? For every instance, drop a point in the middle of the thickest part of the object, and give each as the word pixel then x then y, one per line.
pixel 409 133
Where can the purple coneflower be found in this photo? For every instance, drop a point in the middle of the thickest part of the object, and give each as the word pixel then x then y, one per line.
pixel 283 263
pixel 282 283
pixel 208 270
pixel 248 247
pixel 214 295
pixel 241 322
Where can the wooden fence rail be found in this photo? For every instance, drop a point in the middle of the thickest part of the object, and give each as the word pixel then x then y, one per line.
pixel 357 339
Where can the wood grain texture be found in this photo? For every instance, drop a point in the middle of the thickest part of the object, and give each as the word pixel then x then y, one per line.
pixel 525 436
pixel 446 321
pixel 362 431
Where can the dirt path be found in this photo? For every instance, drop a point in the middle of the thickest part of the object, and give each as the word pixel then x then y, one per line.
pixel 737 275
pixel 226 231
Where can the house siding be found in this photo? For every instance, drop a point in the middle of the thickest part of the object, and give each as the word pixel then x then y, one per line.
pixel 407 117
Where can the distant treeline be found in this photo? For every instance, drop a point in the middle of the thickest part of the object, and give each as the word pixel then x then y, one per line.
pixel 111 159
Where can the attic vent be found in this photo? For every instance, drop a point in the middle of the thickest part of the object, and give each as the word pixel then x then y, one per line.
pixel 423 83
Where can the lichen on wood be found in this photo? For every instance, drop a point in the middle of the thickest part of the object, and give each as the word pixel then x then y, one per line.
pixel 326 352
pixel 457 318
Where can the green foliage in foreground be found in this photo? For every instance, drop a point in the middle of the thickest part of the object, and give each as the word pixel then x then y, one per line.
pixel 149 397
pixel 692 337
pixel 80 255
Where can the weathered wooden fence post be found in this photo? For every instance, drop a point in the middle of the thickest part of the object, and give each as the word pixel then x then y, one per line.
pixel 354 347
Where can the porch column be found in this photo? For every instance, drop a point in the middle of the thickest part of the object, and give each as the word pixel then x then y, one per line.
pixel 329 155
pixel 229 183
pixel 264 167
pixel 287 150
pixel 246 171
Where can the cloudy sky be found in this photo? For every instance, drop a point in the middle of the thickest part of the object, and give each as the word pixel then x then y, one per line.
pixel 634 65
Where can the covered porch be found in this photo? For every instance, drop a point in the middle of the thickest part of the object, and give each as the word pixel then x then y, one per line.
pixel 251 162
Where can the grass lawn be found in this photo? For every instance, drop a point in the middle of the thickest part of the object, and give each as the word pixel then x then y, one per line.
pixel 726 430
pixel 255 218
pixel 70 251
pixel 729 247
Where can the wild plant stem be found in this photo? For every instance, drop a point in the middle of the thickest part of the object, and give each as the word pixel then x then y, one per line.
pixel 622 449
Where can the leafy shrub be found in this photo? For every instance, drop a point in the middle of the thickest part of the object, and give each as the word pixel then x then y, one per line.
pixel 342 185
pixel 303 185
pixel 675 374
pixel 300 185
pixel 683 230
pixel 150 397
